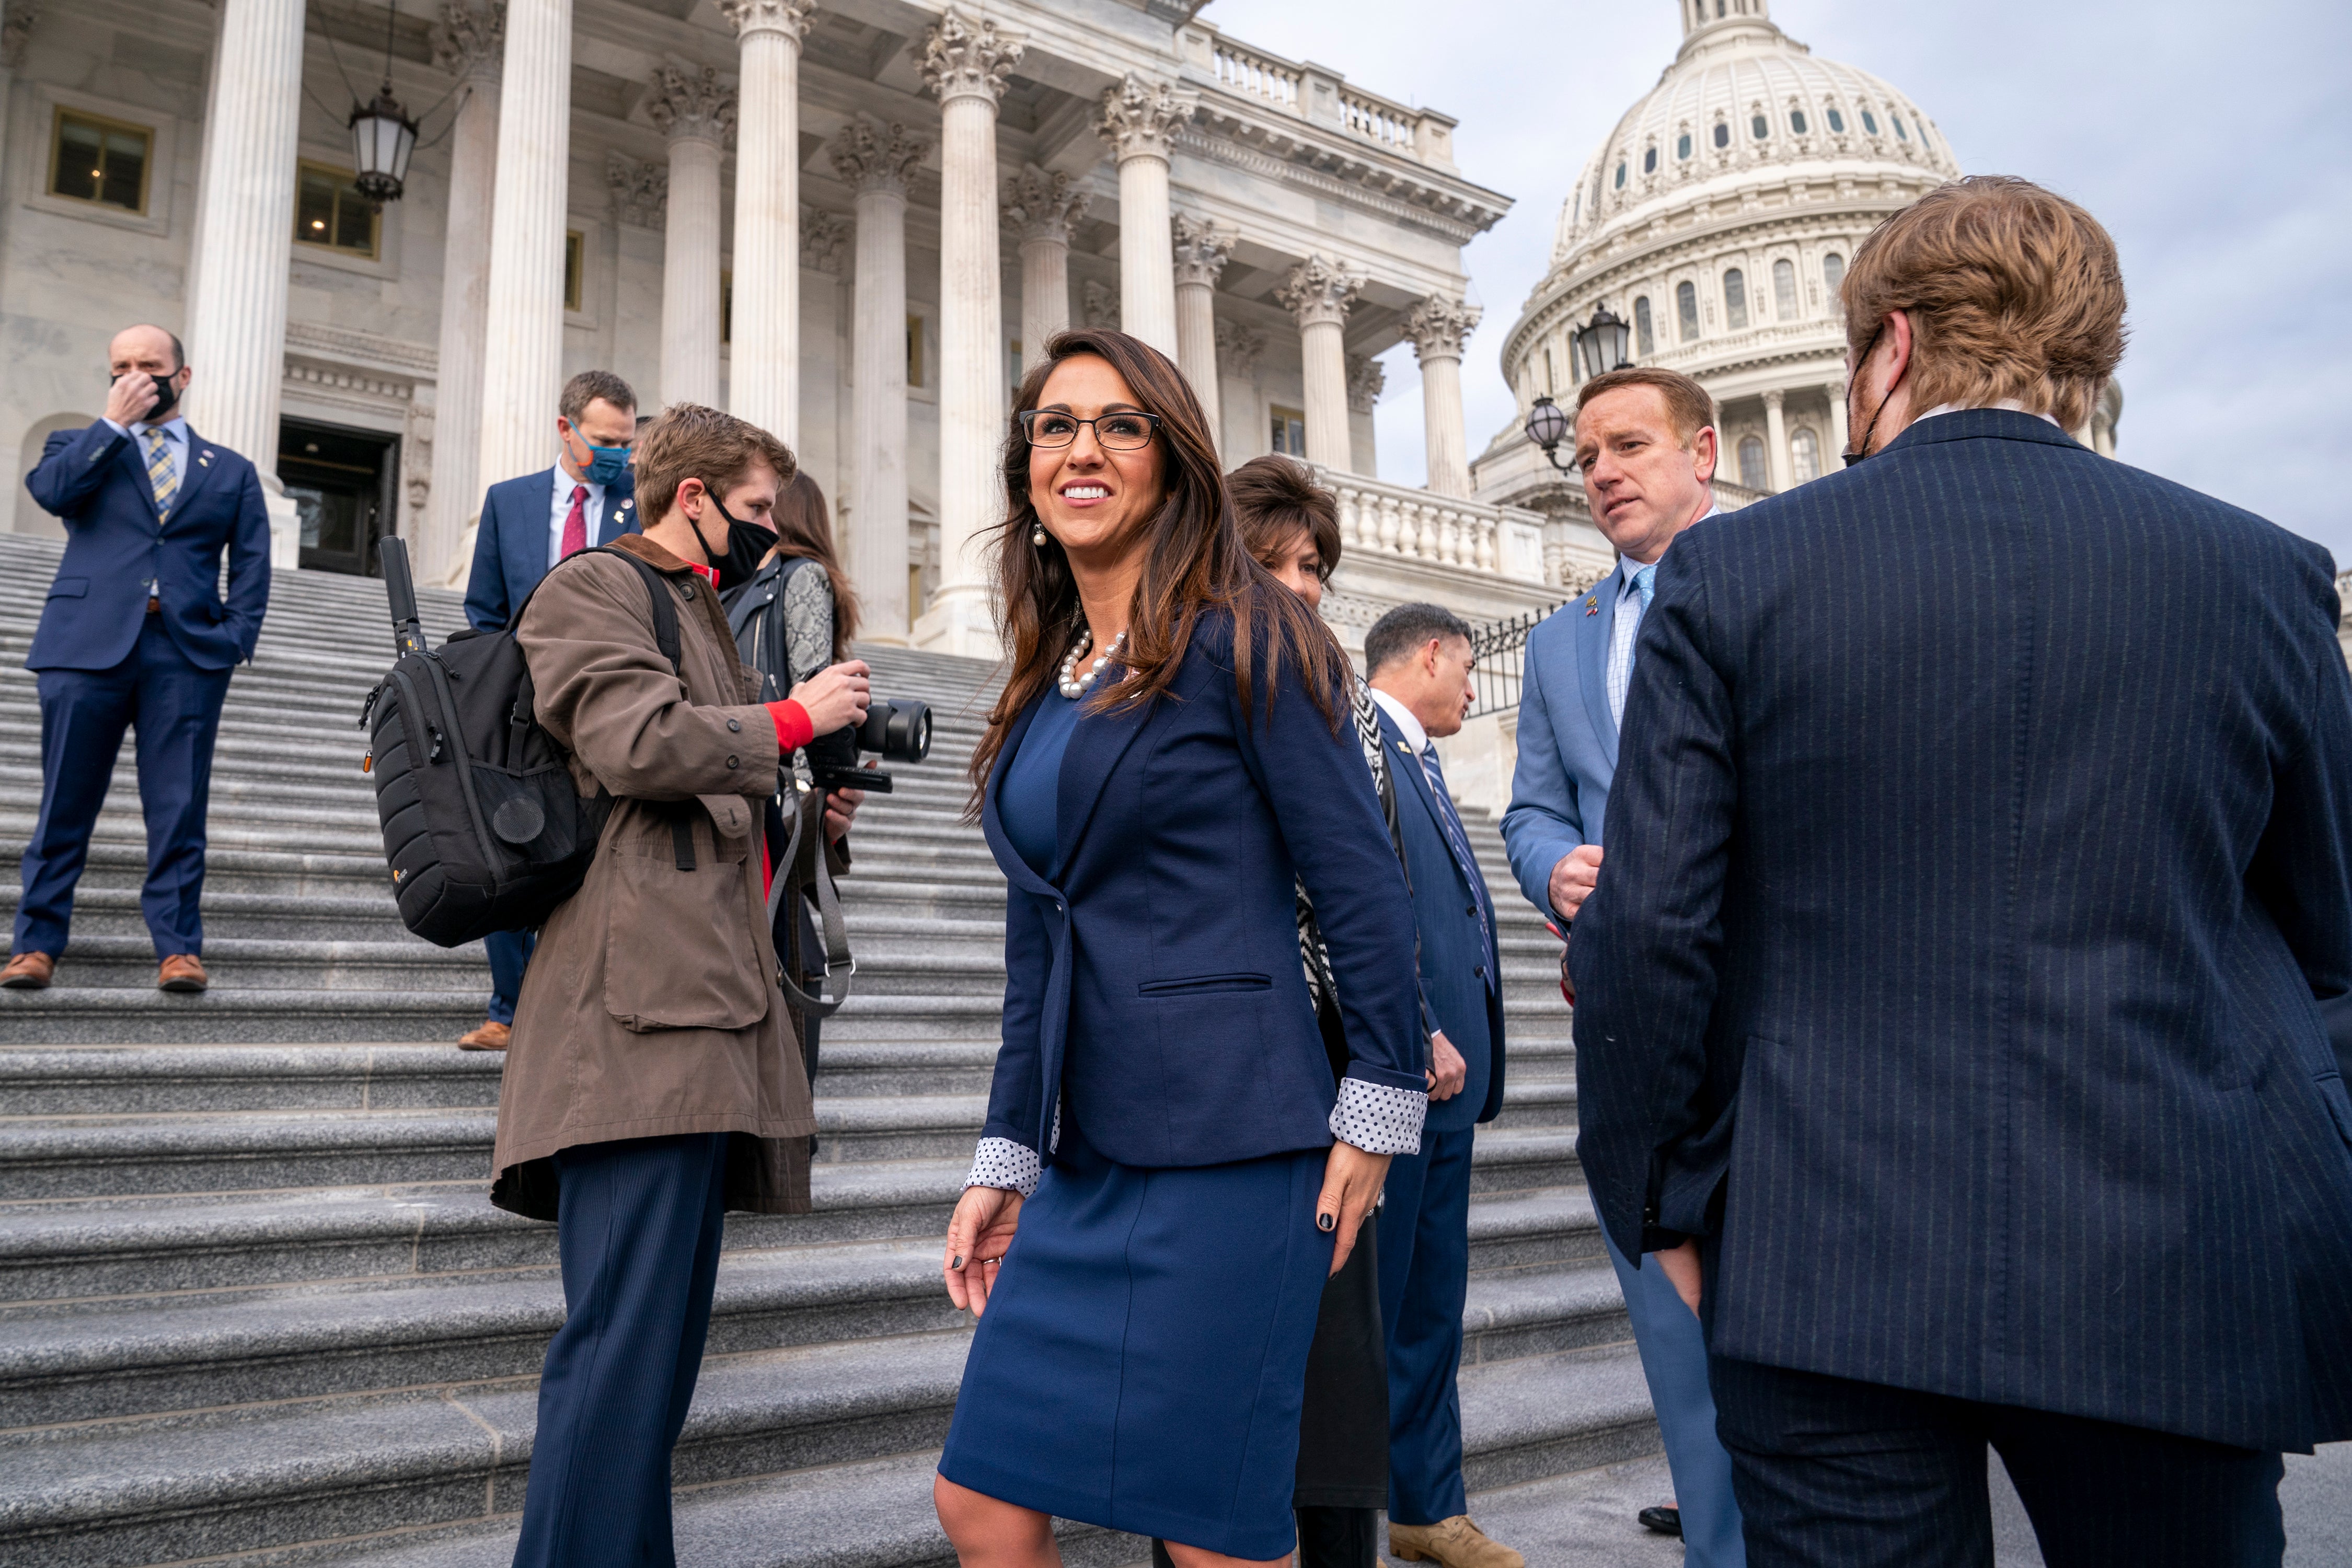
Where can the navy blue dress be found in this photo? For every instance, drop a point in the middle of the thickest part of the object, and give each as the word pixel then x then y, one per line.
pixel 1142 1361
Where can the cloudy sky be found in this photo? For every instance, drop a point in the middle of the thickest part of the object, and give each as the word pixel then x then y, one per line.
pixel 2214 141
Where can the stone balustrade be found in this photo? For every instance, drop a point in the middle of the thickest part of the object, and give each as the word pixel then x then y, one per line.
pixel 1380 519
pixel 1314 94
pixel 1242 69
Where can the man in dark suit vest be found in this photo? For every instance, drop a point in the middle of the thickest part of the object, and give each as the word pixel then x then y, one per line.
pixel 1980 850
pixel 1419 660
pixel 136 634
pixel 588 498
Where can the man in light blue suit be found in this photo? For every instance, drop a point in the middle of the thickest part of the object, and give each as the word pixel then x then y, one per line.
pixel 1645 445
pixel 589 498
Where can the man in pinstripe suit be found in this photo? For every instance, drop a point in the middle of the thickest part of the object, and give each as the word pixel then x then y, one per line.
pixel 1981 844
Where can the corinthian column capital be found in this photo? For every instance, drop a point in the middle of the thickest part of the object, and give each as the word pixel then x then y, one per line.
pixel 790 18
pixel 691 108
pixel 870 155
pixel 1439 327
pixel 1320 290
pixel 1041 206
pixel 824 239
pixel 640 191
pixel 1367 379
pixel 966 56
pixel 468 41
pixel 1201 249
pixel 1238 347
pixel 1140 119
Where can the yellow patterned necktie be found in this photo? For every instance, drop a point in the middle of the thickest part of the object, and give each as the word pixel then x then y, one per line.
pixel 160 473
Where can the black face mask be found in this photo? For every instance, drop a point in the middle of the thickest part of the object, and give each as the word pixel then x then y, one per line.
pixel 166 394
pixel 747 544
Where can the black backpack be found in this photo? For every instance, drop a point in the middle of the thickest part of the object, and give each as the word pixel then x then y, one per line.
pixel 483 827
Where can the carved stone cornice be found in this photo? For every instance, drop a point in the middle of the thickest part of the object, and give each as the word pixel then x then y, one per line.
pixel 824 239
pixel 790 18
pixel 1318 290
pixel 1439 327
pixel 1099 306
pixel 1041 206
pixel 966 56
pixel 1367 379
pixel 1140 119
pixel 692 108
pixel 346 347
pixel 640 191
pixel 871 154
pixel 469 40
pixel 1238 346
pixel 1201 249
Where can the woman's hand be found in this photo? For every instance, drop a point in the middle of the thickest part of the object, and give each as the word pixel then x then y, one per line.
pixel 978 1235
pixel 1351 1184
pixel 835 697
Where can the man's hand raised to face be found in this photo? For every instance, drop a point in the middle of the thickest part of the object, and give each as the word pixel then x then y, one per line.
pixel 1572 878
pixel 130 398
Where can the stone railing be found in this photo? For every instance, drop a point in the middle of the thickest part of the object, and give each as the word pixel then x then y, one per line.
pixel 1380 519
pixel 1384 122
pixel 1241 70
pixel 1318 96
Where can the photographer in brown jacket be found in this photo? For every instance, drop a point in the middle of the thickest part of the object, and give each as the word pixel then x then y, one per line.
pixel 654 1082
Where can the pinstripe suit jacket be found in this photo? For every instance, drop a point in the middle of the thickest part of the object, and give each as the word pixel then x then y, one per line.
pixel 1981 844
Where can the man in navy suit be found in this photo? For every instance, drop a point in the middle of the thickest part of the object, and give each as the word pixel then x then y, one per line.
pixel 1418 656
pixel 136 634
pixel 588 498
pixel 1979 852
pixel 1646 446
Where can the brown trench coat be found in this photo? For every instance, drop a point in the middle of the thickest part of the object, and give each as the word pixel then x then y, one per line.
pixel 650 1008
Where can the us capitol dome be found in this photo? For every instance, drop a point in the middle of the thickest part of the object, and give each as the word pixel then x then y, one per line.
pixel 1716 221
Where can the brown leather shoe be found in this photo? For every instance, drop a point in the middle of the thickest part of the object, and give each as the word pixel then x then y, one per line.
pixel 29 971
pixel 183 972
pixel 492 1035
pixel 1453 1543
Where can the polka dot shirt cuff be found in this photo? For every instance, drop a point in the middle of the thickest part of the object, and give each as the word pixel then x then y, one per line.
pixel 1379 1118
pixel 1001 1163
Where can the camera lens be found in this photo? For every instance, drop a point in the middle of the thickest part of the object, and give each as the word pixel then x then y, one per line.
pixel 900 731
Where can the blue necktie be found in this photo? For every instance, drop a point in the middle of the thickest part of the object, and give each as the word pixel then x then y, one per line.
pixel 1458 841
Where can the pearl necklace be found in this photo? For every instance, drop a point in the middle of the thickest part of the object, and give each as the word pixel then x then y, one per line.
pixel 1073 684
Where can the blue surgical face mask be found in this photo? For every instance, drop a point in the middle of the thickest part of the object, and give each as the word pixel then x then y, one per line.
pixel 605 464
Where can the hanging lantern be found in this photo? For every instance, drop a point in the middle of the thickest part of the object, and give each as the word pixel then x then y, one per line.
pixel 1601 342
pixel 1547 424
pixel 383 136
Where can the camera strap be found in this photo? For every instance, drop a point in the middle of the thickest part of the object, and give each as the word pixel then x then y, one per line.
pixel 838 963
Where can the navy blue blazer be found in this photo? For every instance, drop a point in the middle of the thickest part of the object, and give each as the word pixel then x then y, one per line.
pixel 1982 837
pixel 1455 955
pixel 1153 975
pixel 510 541
pixel 95 481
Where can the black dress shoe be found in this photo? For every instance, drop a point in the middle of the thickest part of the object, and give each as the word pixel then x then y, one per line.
pixel 1665 1521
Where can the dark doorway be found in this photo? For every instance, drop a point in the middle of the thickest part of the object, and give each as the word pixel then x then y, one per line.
pixel 341 481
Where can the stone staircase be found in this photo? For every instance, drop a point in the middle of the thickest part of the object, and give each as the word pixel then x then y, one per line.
pixel 254 1305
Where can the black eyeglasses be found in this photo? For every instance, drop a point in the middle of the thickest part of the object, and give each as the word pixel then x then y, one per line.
pixel 1124 432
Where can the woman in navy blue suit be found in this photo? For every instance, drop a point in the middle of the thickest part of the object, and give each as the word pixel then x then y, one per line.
pixel 1168 1173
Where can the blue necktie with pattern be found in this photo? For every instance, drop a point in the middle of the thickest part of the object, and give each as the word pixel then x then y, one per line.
pixel 1458 841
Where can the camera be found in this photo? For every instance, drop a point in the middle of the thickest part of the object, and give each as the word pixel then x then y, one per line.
pixel 896 732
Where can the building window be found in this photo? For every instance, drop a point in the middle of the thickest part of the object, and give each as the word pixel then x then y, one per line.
pixel 1649 160
pixel 1645 341
pixel 1870 122
pixel 1797 120
pixel 576 279
pixel 1834 274
pixel 1805 456
pixel 1759 126
pixel 1896 120
pixel 1722 134
pixel 1682 145
pixel 1687 310
pixel 1734 300
pixel 100 160
pixel 330 212
pixel 1289 431
pixel 1550 385
pixel 1751 463
pixel 1837 122
pixel 1784 290
pixel 1621 173
pixel 914 351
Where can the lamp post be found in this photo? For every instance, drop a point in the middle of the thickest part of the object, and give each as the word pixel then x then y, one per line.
pixel 1548 425
pixel 383 136
pixel 1601 342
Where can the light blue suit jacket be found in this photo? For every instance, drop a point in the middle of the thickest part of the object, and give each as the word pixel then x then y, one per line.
pixel 1568 741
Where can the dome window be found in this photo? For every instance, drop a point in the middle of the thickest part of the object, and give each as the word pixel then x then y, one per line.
pixel 1760 127
pixel 1751 463
pixel 1837 122
pixel 1682 145
pixel 1722 134
pixel 1805 456
pixel 1645 339
pixel 1797 121
pixel 1898 125
pixel 1869 123
pixel 1734 300
pixel 1687 310
pixel 1621 173
pixel 1784 290
pixel 1649 160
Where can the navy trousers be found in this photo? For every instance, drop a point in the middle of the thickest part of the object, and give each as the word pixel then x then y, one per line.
pixel 638 1228
pixel 1424 1277
pixel 176 708
pixel 1674 1363
pixel 509 956
pixel 1833 1473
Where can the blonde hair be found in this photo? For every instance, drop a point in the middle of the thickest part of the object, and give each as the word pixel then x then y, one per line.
pixel 689 441
pixel 2013 292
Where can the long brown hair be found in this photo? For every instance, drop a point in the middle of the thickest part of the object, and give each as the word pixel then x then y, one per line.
pixel 1194 560
pixel 804 528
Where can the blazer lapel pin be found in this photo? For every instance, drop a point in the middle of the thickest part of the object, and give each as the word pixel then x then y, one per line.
pixel 1592 605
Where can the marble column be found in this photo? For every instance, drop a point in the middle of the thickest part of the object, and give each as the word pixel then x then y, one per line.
pixel 1139 120
pixel 763 382
pixel 1367 379
pixel 522 362
pixel 244 231
pixel 1246 433
pixel 875 160
pixel 1042 209
pixel 965 60
pixel 465 43
pixel 697 113
pixel 1776 441
pixel 1318 293
pixel 1832 461
pixel 1201 249
pixel 1439 327
pixel 18 20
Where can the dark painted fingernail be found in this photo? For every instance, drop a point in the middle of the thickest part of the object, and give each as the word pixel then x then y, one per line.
pixel 957 1264
pixel 1327 1222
